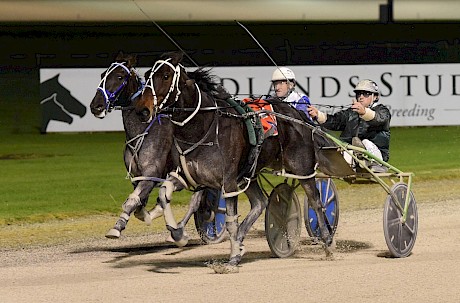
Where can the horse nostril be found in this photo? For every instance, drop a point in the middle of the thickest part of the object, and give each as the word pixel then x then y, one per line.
pixel 96 109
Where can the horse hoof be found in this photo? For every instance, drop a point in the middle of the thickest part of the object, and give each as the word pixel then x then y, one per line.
pixel 178 235
pixel 224 268
pixel 329 252
pixel 180 243
pixel 113 234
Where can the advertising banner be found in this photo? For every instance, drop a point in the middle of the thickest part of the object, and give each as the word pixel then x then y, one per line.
pixel 416 94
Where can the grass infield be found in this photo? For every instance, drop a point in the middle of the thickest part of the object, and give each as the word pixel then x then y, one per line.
pixel 74 175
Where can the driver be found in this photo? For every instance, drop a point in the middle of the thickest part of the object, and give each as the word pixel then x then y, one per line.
pixel 365 124
pixel 283 80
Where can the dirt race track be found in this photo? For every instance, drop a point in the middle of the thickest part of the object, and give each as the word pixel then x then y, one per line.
pixel 148 269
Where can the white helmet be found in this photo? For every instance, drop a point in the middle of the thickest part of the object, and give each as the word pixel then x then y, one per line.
pixel 367 86
pixel 283 74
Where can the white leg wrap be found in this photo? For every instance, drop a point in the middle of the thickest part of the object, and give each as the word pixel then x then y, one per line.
pixel 232 228
pixel 232 218
pixel 131 203
pixel 156 212
pixel 168 189
pixel 169 218
pixel 124 216
pixel 235 248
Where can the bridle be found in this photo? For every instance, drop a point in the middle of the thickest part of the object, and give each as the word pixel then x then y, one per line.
pixel 174 85
pixel 110 98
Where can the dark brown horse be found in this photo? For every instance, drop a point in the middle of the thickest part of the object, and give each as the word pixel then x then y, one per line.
pixel 212 145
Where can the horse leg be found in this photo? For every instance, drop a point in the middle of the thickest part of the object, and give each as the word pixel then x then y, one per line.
pixel 141 213
pixel 194 204
pixel 148 216
pixel 313 198
pixel 133 203
pixel 164 198
pixel 258 203
pixel 236 251
pixel 231 223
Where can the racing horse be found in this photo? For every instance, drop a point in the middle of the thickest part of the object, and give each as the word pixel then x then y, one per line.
pixel 147 149
pixel 212 147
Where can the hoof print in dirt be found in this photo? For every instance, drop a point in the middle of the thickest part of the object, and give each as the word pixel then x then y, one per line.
pixel 223 267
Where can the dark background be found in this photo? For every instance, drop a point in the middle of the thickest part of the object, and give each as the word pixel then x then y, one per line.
pixel 27 47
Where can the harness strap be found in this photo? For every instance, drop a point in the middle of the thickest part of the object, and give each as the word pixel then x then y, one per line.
pixel 256 137
pixel 153 179
pixel 283 173
pixel 186 171
pixel 182 123
pixel 195 145
pixel 139 140
pixel 236 193
pixel 248 122
pixel 179 178
pixel 139 91
pixel 182 154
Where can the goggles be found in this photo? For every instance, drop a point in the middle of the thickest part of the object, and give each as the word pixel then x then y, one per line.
pixel 364 93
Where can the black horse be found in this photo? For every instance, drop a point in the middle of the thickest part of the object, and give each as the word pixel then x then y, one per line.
pixel 212 146
pixel 58 103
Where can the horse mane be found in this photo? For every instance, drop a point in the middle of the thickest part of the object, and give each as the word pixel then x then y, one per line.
pixel 207 82
pixel 202 76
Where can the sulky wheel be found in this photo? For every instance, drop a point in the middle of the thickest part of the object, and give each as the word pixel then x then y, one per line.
pixel 283 221
pixel 400 236
pixel 210 217
pixel 330 200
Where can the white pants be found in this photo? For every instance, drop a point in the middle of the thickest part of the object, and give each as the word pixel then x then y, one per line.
pixel 370 147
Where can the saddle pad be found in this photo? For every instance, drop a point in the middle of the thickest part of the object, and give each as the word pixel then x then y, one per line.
pixel 268 121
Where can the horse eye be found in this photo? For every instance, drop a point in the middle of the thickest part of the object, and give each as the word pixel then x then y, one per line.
pixel 120 78
pixel 165 76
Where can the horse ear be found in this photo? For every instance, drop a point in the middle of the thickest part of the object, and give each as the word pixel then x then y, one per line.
pixel 120 56
pixel 190 82
pixel 132 61
pixel 177 58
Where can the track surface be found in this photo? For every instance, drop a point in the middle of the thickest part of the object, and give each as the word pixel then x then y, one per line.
pixel 147 269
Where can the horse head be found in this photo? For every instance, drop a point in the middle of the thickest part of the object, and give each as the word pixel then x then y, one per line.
pixel 166 81
pixel 119 83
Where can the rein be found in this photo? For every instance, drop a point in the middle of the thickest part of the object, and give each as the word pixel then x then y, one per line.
pixel 135 148
pixel 193 146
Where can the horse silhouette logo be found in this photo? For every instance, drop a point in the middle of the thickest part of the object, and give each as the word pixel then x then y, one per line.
pixel 58 104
